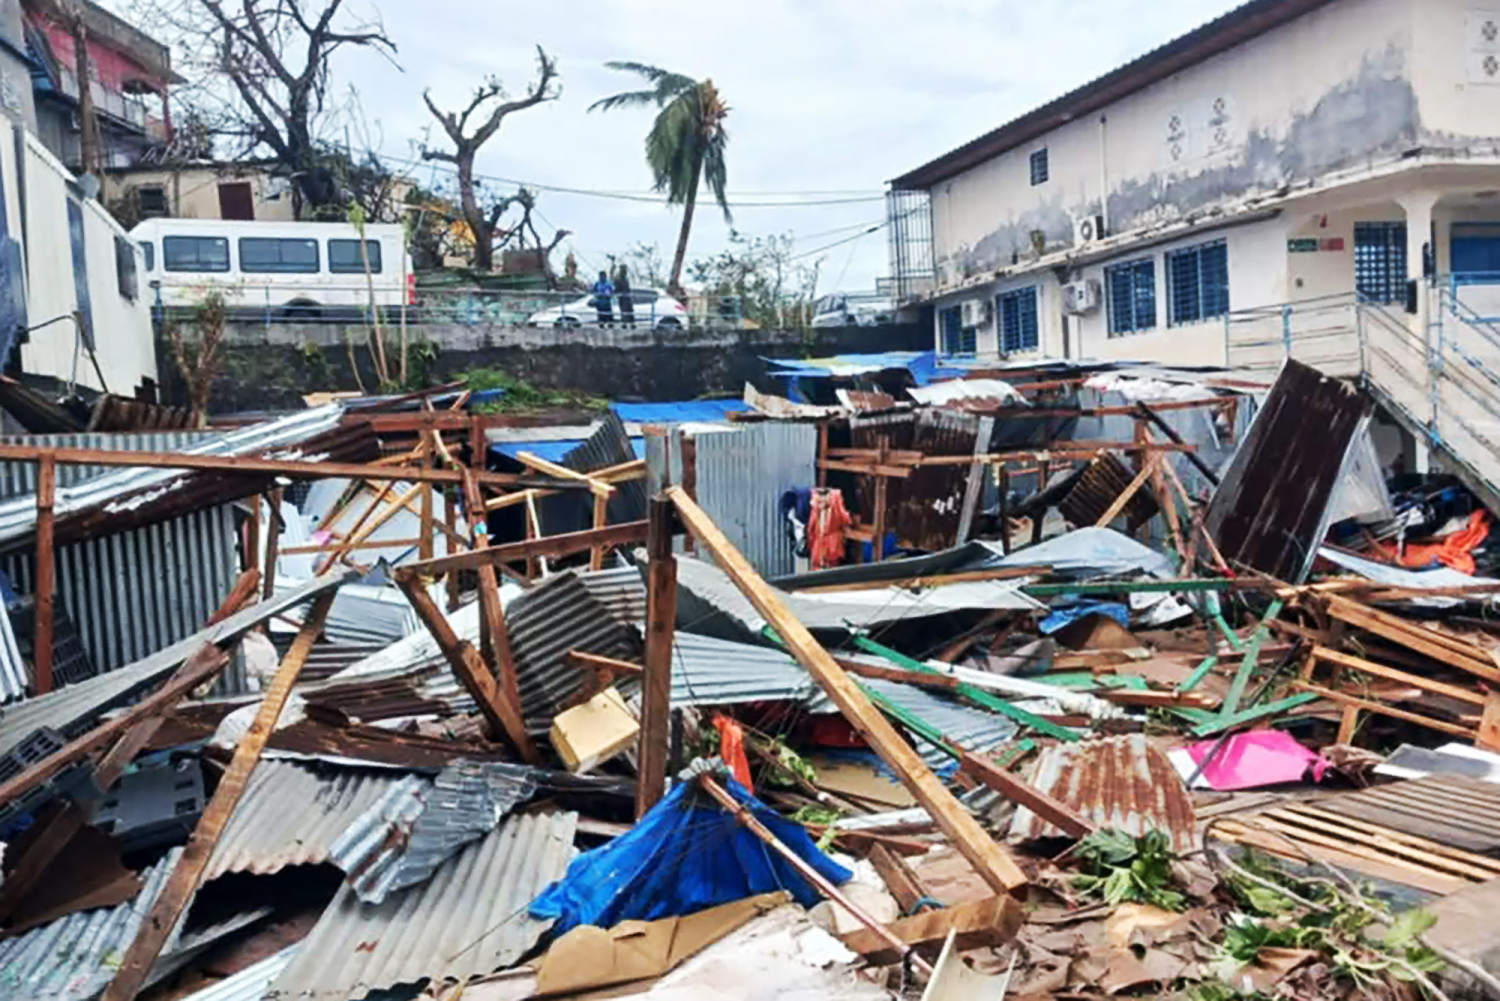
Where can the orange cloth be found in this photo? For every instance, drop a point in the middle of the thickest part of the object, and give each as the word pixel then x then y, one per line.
pixel 732 749
pixel 826 522
pixel 1454 550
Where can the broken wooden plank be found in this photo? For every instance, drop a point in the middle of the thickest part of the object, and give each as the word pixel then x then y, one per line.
pixel 1458 692
pixel 1057 813
pixel 656 685
pixel 183 881
pixel 990 859
pixel 549 546
pixel 989 922
pixel 42 591
pixel 468 667
pixel 899 878
pixel 1428 642
pixel 1118 504
pixel 932 580
pixel 597 487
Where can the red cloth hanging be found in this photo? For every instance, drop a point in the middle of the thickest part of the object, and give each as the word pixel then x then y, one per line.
pixel 825 528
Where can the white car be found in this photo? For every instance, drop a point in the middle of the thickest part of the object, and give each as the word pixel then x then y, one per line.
pixel 653 308
pixel 853 309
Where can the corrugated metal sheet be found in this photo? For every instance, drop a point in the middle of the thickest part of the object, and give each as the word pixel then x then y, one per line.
pixel 704 589
pixel 15 675
pixel 1119 782
pixel 18 478
pixel 1271 509
pixel 419 824
pixel 291 814
pixel 365 613
pixel 469 919
pixel 922 509
pixel 251 983
pixel 73 709
pixel 124 489
pixel 545 623
pixel 73 958
pixel 1454 810
pixel 709 672
pixel 974 728
pixel 133 593
pixel 608 444
pixel 940 393
pixel 621 590
pixel 1101 484
pixel 740 477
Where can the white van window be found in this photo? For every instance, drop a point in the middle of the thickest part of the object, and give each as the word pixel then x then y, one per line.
pixel 266 255
pixel 344 259
pixel 149 250
pixel 195 253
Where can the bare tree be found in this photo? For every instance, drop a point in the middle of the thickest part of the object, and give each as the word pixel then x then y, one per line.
pixel 467 140
pixel 264 65
pixel 197 353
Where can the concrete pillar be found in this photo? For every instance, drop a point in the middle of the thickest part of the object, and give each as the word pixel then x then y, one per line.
pixel 1418 206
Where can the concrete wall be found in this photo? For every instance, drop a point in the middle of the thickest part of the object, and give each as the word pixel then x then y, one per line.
pixel 274 366
pixel 1346 87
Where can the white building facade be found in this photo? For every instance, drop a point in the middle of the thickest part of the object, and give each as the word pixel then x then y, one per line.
pixel 1290 152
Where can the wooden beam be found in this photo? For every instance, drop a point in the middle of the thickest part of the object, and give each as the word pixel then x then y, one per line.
pixel 864 670
pixel 597 662
pixel 904 884
pixel 551 546
pixel 656 687
pixel 273 542
pixel 601 521
pixel 493 618
pixel 1012 788
pixel 450 526
pixel 426 533
pixel 335 545
pixel 1428 642
pixel 1457 692
pixel 989 922
pixel 206 663
pixel 989 858
pixel 185 876
pixel 239 595
pixel 599 489
pixel 296 469
pixel 45 586
pixel 468 667
pixel 1118 504
pixel 1381 709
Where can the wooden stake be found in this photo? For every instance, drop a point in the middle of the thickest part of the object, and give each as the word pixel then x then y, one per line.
pixel 492 618
pixel 42 592
pixel 450 520
pixel 656 688
pixel 1348 724
pixel 273 543
pixel 1049 809
pixel 601 519
pixel 424 548
pixel 877 547
pixel 988 858
pixel 501 716
pixel 250 555
pixel 184 879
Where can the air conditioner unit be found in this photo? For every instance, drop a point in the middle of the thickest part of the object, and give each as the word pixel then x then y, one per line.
pixel 976 312
pixel 1087 229
pixel 1081 296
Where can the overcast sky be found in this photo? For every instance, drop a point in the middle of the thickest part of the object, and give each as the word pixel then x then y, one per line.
pixel 825 96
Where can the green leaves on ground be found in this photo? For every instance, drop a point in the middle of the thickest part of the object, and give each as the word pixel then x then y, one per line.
pixel 1122 868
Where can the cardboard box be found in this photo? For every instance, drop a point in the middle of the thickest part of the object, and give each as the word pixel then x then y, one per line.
pixel 594 731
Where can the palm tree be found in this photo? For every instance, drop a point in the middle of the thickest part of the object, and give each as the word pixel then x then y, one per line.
pixel 685 146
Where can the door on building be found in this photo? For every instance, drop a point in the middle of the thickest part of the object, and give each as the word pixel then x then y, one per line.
pixel 236 201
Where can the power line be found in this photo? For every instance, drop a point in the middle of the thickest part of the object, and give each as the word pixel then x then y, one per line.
pixel 647 197
pixel 839 243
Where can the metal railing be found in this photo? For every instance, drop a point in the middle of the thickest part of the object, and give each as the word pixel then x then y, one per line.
pixel 1443 383
pixel 351 302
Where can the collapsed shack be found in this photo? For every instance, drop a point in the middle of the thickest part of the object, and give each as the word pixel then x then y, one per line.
pixel 820 692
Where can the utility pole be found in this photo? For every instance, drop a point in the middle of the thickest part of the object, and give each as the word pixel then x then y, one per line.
pixel 88 124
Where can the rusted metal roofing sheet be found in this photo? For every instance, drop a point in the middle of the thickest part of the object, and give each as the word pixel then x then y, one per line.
pixel 292 813
pixel 1271 509
pixel 1101 484
pixel 1119 782
pixel 469 919
pixel 923 508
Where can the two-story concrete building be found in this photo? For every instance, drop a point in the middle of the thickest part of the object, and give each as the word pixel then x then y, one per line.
pixel 1288 151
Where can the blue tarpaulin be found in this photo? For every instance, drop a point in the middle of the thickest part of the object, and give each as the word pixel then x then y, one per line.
pixel 686 854
pixel 680 411
pixel 1063 615
pixel 554 451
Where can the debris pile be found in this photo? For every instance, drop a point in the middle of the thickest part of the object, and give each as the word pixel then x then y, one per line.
pixel 1061 683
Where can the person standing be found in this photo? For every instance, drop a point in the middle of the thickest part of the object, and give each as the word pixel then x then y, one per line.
pixel 603 291
pixel 627 304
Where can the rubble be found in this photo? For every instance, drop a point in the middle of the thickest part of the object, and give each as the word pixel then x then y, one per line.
pixel 454 727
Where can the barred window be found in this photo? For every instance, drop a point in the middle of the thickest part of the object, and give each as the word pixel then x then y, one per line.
pixel 1380 261
pixel 1198 282
pixel 1018 321
pixel 1131 288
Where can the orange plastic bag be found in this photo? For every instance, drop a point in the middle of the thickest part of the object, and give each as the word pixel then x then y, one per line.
pixel 732 749
pixel 1454 550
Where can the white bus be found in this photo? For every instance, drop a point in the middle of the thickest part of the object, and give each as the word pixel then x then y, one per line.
pixel 303 269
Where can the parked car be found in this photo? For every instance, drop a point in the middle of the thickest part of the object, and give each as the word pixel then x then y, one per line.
pixel 653 307
pixel 851 309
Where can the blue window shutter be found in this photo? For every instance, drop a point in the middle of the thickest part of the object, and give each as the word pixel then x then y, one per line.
pixel 80 274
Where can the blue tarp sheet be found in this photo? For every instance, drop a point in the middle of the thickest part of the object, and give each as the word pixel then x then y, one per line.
pixel 1063 615
pixel 686 854
pixel 680 411
pixel 554 451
